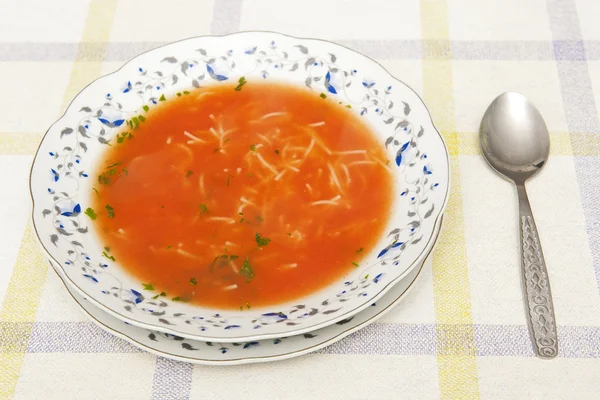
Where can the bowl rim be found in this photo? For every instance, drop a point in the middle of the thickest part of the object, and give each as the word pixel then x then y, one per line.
pixel 207 337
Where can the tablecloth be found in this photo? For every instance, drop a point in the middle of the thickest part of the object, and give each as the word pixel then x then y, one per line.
pixel 461 333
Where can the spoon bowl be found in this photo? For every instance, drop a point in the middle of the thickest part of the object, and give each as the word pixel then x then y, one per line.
pixel 513 137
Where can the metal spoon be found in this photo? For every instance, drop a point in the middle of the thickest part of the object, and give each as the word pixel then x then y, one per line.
pixel 515 142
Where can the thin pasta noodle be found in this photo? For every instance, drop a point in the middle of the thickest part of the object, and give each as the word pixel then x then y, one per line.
pixel 223 219
pixel 266 164
pixel 194 138
pixel 334 177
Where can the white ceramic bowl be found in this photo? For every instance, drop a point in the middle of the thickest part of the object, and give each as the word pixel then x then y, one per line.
pixel 61 184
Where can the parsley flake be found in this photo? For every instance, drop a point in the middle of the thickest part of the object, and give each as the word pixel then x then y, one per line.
pixel 105 254
pixel 110 211
pixel 125 135
pixel 90 213
pixel 148 286
pixel 103 179
pixel 261 241
pixel 246 271
pixel 193 282
pixel 241 82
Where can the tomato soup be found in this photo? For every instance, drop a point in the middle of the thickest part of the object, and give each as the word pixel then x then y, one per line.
pixel 242 196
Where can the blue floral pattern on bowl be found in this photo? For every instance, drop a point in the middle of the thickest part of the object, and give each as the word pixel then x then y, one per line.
pixel 61 182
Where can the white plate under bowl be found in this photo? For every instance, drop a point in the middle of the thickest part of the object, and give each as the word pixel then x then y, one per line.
pixel 256 351
pixel 215 353
pixel 61 183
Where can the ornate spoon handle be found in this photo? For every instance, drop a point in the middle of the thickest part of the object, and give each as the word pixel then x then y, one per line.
pixel 540 309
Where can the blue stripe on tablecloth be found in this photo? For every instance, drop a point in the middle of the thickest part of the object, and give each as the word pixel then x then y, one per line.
pixel 388 339
pixel 75 337
pixel 226 16
pixel 378 338
pixel 569 50
pixel 581 113
pixel 172 380
pixel 563 50
pixel 576 86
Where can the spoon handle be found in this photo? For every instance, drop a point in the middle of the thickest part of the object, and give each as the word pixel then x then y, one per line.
pixel 540 309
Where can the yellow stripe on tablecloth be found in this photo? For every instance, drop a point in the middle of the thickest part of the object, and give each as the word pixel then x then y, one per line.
pixel 457 363
pixel 26 282
pixel 20 305
pixel 19 143
pixel 29 272
pixel 560 144
pixel 98 26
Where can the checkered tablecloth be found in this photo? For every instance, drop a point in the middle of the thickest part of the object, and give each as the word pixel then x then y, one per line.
pixel 461 333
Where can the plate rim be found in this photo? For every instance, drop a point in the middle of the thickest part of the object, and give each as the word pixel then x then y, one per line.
pixel 202 337
pixel 252 360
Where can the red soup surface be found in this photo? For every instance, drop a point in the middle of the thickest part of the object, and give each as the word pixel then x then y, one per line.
pixel 242 198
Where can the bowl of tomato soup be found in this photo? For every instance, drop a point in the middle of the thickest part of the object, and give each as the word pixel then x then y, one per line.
pixel 240 187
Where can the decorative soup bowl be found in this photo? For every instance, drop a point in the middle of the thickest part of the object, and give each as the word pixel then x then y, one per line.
pixel 62 178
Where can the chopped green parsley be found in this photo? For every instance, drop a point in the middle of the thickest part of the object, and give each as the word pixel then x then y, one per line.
pixel 241 82
pixel 246 271
pixel 110 211
pixel 261 241
pixel 90 213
